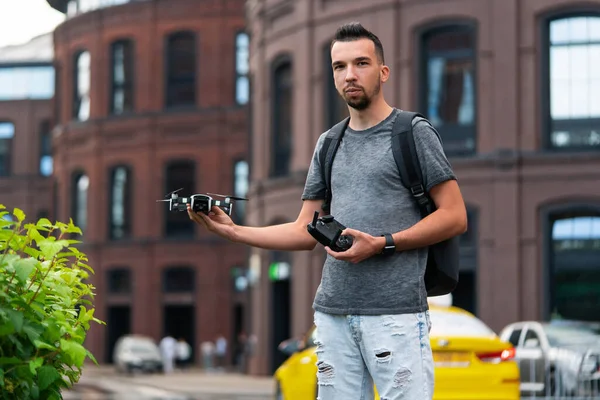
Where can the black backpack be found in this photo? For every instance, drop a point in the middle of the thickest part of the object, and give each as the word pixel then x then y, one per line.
pixel 441 274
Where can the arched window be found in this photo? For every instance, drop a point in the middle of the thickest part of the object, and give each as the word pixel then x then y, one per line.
pixel 7 133
pixel 572 89
pixel 574 263
pixel 242 68
pixel 448 86
pixel 179 174
pixel 122 70
pixel 336 108
pixel 282 117
pixel 81 86
pixel 120 202
pixel 181 69
pixel 79 199
pixel 178 280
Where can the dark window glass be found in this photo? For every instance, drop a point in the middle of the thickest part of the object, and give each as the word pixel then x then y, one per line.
pixel 122 77
pixel 79 199
pixel 574 82
pixel 120 205
pixel 46 164
pixel 181 69
pixel 179 174
pixel 7 133
pixel 282 118
pixel 81 86
pixel 240 189
pixel 575 265
pixel 178 280
pixel 119 281
pixel 448 99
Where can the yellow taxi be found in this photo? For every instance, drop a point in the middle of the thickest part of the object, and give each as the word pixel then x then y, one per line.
pixel 471 362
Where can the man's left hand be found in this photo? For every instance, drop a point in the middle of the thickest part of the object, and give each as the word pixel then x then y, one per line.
pixel 363 247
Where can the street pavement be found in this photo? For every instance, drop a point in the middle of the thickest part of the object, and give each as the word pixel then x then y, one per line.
pixel 104 383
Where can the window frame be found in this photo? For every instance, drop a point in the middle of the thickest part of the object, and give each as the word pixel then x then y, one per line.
pixel 544 77
pixel 120 269
pixel 421 91
pixel 188 268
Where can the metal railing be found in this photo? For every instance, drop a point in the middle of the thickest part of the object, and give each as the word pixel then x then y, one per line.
pixel 541 379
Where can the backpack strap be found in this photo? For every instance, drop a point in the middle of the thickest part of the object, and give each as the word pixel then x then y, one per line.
pixel 407 160
pixel 330 146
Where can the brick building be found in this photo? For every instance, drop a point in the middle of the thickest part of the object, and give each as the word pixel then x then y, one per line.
pixel 26 91
pixel 151 96
pixel 512 86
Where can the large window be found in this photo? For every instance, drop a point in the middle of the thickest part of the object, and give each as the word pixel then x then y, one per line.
pixel 119 281
pixel 46 161
pixel 282 117
pixel 7 132
pixel 240 189
pixel 79 199
pixel 179 174
pixel 574 277
pixel 181 69
pixel 242 68
pixel 448 90
pixel 122 89
pixel 120 202
pixel 178 280
pixel 336 108
pixel 573 112
pixel 81 86
pixel 26 82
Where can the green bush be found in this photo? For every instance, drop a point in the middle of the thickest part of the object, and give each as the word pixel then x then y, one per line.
pixel 43 314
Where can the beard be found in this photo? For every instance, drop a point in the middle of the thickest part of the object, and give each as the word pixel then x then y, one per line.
pixel 362 101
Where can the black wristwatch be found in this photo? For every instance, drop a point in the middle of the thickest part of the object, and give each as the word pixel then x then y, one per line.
pixel 390 247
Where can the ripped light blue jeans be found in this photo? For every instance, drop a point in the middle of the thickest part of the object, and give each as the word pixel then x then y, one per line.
pixel 391 351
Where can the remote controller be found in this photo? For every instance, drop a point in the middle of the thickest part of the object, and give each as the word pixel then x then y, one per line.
pixel 328 232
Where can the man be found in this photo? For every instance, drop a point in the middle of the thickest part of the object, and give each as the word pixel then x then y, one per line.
pixel 371 311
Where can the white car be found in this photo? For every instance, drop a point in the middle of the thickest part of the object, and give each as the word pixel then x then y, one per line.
pixel 136 353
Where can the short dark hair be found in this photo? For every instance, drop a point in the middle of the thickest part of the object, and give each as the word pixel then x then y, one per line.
pixel 354 31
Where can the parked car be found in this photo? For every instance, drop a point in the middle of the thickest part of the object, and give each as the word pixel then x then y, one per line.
pixel 556 358
pixel 471 361
pixel 137 353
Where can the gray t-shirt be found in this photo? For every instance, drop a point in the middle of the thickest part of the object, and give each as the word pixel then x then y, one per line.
pixel 368 195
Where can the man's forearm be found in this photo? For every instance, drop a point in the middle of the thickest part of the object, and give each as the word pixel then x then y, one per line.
pixel 287 237
pixel 436 227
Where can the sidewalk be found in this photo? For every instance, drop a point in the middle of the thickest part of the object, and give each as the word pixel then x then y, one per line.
pixel 191 382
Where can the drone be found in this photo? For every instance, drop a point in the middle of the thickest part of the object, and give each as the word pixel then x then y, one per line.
pixel 200 202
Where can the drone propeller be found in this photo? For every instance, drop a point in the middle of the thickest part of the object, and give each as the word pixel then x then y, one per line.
pixel 172 193
pixel 226 196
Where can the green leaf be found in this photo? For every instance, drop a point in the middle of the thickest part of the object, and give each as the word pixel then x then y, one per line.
pixel 16 318
pixel 75 351
pixel 91 356
pixel 35 392
pixel 43 345
pixel 17 212
pixel 9 360
pixel 44 223
pixel 24 267
pixel 1 377
pixel 35 364
pixel 33 331
pixel 6 329
pixel 46 376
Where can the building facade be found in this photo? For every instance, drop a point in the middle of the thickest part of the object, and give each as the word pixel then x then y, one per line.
pixel 152 97
pixel 26 92
pixel 511 85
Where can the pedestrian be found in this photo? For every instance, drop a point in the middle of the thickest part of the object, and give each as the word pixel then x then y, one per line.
pixel 168 349
pixel 184 353
pixel 220 352
pixel 207 350
pixel 370 309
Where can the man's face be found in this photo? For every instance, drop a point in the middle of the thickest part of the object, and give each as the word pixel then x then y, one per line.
pixel 357 72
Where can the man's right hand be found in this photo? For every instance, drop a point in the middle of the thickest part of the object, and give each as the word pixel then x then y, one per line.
pixel 217 221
